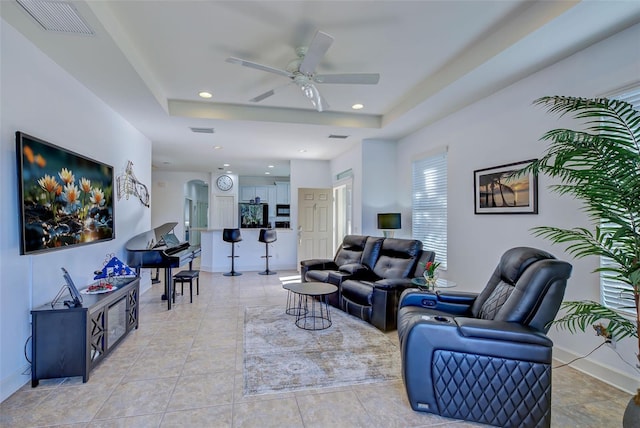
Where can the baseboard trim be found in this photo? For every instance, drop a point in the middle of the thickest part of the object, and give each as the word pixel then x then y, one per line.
pixel 14 382
pixel 607 375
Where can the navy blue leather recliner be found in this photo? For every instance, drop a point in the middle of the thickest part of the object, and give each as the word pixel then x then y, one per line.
pixel 485 357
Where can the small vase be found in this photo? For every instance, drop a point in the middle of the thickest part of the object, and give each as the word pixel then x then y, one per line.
pixel 430 281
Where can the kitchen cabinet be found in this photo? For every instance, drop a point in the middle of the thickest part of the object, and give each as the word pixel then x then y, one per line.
pixel 247 193
pixel 272 202
pixel 262 192
pixel 282 192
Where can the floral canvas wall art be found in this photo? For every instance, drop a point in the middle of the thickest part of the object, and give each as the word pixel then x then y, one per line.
pixel 65 198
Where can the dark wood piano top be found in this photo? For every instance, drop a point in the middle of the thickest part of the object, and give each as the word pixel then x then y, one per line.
pixel 149 249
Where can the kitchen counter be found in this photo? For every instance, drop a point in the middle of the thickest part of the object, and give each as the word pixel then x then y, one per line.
pixel 215 252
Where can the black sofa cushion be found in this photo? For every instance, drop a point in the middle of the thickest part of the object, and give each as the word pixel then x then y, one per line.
pixel 398 258
pixel 351 250
pixel 513 291
pixel 318 275
pixel 359 292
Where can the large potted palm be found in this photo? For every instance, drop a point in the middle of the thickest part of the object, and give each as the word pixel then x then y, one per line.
pixel 600 166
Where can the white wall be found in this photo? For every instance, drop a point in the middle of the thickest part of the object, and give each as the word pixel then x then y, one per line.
pixel 378 183
pixel 41 99
pixel 352 159
pixel 168 190
pixel 505 128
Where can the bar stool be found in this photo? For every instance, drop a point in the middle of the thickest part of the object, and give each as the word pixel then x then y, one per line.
pixel 267 236
pixel 186 276
pixel 233 236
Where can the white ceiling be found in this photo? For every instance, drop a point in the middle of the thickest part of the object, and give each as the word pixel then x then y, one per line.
pixel 148 60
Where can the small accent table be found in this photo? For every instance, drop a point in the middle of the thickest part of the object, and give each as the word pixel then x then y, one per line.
pixel 293 307
pixel 312 308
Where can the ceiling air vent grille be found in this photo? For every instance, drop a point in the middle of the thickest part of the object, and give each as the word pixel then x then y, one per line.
pixel 202 130
pixel 58 16
pixel 338 137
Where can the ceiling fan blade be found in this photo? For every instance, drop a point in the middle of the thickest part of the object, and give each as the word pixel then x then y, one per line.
pixel 233 60
pixel 316 51
pixel 269 93
pixel 350 78
pixel 262 96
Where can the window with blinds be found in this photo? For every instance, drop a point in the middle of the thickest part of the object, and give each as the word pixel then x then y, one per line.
pixel 615 294
pixel 429 207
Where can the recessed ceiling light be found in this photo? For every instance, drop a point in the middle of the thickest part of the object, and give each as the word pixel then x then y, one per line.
pixel 205 94
pixel 302 151
pixel 357 106
pixel 225 164
pixel 217 147
pixel 269 166
pixel 229 172
pixel 267 173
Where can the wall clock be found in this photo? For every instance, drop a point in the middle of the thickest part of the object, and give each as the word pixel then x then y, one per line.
pixel 224 182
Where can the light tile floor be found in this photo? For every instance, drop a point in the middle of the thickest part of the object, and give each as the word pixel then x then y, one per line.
pixel 183 368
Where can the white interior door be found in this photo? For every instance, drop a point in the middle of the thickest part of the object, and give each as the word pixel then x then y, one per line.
pixel 315 224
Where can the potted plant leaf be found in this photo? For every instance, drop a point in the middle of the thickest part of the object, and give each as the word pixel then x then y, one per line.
pixel 599 165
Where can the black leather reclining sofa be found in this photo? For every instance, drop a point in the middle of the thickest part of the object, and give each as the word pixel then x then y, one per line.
pixel 371 273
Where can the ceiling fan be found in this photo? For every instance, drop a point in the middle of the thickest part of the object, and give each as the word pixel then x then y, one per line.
pixel 302 71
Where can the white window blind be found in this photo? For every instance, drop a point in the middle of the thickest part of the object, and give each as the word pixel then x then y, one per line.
pixel 615 294
pixel 429 208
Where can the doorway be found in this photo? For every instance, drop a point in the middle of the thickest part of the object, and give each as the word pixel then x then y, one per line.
pixel 342 210
pixel 196 210
pixel 315 224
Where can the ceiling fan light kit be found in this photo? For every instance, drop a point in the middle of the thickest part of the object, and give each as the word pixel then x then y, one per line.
pixel 301 71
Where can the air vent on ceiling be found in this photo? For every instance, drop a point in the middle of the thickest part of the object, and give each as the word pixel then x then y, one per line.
pixel 202 130
pixel 338 137
pixel 58 16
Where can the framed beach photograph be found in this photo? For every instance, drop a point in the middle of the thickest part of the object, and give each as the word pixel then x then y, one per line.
pixel 495 191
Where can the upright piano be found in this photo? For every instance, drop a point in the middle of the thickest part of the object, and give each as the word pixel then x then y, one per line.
pixel 160 248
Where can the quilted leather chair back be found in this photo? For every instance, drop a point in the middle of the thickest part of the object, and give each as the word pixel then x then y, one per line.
pixel 350 250
pixel 526 287
pixel 398 258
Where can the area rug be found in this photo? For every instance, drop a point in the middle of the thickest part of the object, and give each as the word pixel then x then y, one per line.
pixel 280 357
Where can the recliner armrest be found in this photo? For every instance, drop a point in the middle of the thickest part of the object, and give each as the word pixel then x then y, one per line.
pixel 453 303
pixel 393 283
pixel 355 269
pixel 501 330
pixel 459 297
pixel 318 264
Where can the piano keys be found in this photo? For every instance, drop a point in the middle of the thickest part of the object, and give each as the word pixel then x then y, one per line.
pixel 160 248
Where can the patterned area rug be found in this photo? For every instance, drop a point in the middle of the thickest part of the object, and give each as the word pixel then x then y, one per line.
pixel 280 357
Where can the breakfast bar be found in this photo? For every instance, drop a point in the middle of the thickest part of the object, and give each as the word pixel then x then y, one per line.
pixel 250 251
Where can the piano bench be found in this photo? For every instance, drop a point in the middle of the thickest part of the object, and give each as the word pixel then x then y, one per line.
pixel 186 276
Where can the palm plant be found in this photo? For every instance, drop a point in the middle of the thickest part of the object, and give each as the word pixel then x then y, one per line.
pixel 600 166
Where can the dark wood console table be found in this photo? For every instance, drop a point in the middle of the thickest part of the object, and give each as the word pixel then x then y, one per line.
pixel 71 341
